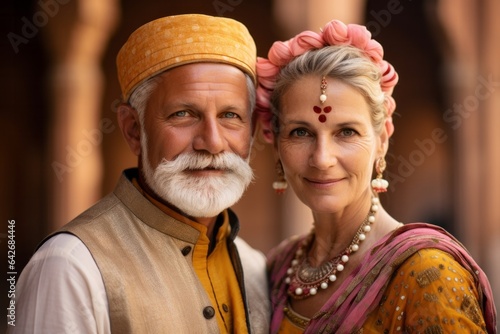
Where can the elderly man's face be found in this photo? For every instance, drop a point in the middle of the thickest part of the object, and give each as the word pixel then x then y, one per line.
pixel 196 137
pixel 201 107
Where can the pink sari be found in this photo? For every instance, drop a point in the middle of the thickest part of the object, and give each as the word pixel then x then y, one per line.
pixel 348 308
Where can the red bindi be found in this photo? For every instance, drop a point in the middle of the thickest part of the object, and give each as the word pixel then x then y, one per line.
pixel 319 110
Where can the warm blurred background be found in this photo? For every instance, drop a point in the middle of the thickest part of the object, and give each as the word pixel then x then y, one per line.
pixel 62 149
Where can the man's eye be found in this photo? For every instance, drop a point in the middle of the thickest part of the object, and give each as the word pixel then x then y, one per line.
pixel 181 113
pixel 230 115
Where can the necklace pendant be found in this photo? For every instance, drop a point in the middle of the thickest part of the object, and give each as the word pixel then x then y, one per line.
pixel 305 280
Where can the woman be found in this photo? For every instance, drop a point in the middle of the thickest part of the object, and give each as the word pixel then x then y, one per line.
pixel 325 102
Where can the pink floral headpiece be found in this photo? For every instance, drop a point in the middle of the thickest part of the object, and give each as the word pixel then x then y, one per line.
pixel 334 33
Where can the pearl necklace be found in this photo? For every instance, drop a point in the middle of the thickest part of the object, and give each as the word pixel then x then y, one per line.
pixel 304 280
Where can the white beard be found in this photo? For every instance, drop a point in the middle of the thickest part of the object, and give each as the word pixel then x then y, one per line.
pixel 198 196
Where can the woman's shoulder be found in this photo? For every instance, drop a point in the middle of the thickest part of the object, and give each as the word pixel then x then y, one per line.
pixel 430 291
pixel 436 272
pixel 429 264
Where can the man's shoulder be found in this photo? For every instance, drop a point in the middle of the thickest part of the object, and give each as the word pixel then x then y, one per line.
pixel 93 217
pixel 109 204
pixel 89 217
pixel 103 207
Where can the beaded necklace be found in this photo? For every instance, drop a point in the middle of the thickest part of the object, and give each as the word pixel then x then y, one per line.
pixel 304 280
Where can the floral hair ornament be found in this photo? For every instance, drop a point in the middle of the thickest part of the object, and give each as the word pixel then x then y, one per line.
pixel 334 33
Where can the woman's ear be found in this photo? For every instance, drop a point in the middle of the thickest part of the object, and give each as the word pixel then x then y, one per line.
pixel 128 119
pixel 383 142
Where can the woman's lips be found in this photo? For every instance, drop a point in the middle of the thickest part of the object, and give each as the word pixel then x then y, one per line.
pixel 323 182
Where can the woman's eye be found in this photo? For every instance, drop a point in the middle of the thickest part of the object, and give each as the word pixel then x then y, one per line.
pixel 348 132
pixel 299 133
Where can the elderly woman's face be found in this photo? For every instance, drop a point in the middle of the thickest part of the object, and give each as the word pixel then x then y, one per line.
pixel 327 149
pixel 201 107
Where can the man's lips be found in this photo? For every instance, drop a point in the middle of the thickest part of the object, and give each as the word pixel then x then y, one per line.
pixel 207 171
pixel 206 168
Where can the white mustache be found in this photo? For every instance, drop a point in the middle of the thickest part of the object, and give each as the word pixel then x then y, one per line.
pixel 200 196
pixel 194 161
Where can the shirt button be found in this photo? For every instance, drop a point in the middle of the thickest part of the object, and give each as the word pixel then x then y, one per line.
pixel 225 308
pixel 185 251
pixel 208 312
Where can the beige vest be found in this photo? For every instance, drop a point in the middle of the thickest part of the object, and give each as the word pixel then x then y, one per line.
pixel 150 284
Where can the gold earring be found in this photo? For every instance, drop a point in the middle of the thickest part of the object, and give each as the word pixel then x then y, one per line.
pixel 280 185
pixel 380 185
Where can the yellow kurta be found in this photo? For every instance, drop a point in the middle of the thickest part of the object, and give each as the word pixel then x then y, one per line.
pixel 214 271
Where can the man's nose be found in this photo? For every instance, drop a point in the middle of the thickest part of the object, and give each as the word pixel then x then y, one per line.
pixel 210 137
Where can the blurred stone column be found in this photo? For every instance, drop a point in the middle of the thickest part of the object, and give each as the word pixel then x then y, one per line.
pixel 474 82
pixel 489 95
pixel 292 17
pixel 77 35
pixel 490 69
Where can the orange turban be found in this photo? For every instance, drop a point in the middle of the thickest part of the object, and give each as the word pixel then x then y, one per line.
pixel 173 41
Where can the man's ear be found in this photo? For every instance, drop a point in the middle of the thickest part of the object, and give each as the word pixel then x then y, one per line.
pixel 128 119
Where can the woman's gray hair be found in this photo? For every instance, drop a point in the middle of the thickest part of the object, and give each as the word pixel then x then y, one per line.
pixel 139 98
pixel 345 63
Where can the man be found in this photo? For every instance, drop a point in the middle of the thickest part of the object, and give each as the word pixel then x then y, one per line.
pixel 160 254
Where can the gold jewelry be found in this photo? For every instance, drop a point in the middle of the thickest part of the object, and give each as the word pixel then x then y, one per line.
pixel 296 318
pixel 280 185
pixel 322 99
pixel 323 86
pixel 304 280
pixel 379 184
